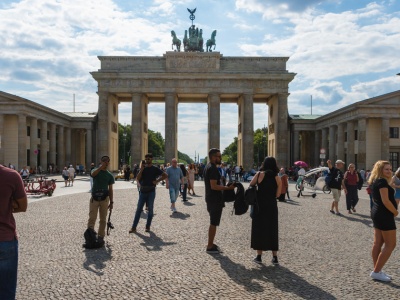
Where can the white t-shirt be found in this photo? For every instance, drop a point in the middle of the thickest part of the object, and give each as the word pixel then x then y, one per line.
pixel 301 172
pixel 71 171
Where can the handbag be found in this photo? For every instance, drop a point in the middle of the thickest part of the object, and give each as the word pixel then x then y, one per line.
pixel 250 196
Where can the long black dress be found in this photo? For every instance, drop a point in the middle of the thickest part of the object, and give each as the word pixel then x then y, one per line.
pixel 264 226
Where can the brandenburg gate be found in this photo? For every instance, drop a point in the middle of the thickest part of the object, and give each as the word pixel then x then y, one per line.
pixel 183 77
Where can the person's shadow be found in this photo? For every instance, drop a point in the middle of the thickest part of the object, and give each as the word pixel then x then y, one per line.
pixel 96 259
pixel 364 219
pixel 281 277
pixel 179 215
pixel 187 203
pixel 152 242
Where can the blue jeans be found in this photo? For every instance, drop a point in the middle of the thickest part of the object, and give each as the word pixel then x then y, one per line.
pixel 173 194
pixel 145 198
pixel 8 269
pixel 184 192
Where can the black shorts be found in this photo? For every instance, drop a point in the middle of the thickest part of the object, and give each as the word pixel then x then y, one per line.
pixel 215 212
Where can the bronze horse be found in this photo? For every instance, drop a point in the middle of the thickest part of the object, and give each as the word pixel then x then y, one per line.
pixel 211 42
pixel 175 41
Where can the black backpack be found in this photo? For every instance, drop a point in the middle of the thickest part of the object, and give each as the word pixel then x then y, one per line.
pixel 91 241
pixel 229 195
pixel 328 179
pixel 360 181
pixel 240 206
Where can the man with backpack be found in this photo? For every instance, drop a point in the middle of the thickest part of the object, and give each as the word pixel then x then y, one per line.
pixel 214 200
pixel 101 201
pixel 336 184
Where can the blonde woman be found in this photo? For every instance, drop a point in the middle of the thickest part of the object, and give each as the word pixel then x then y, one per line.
pixel 396 185
pixel 383 212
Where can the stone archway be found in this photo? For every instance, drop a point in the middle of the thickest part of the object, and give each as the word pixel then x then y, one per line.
pixel 205 77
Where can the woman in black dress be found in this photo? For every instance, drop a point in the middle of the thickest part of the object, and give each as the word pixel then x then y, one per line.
pixel 383 212
pixel 264 226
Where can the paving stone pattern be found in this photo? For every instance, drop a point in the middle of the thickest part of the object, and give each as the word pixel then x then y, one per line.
pixel 322 256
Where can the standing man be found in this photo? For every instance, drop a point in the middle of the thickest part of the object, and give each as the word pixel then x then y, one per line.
pixel 173 182
pixel 214 200
pixel 102 198
pixel 148 177
pixel 12 200
pixel 336 184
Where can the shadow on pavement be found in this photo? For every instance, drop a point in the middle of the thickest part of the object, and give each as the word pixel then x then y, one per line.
pixel 290 202
pixel 187 203
pixel 365 221
pixel 281 277
pixel 96 259
pixel 152 242
pixel 179 215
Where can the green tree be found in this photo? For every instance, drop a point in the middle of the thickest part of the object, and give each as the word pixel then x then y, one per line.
pixel 229 155
pixel 184 158
pixel 156 143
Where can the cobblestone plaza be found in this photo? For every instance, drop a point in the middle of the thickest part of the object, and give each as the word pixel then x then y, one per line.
pixel 322 256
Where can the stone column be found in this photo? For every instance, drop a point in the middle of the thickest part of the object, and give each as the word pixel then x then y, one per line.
pixel 282 131
pixel 52 147
pixel 296 145
pixel 67 146
pixel 362 145
pixel 22 133
pixel 61 148
pixel 137 129
pixel 247 128
pixel 213 121
pixel 171 139
pixel 350 143
pixel 340 142
pixel 89 148
pixel 104 125
pixel 385 145
pixel 317 143
pixel 332 144
pixel 324 140
pixel 2 140
pixel 43 144
pixel 33 157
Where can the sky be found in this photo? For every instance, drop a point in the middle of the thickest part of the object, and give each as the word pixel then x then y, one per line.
pixel 342 51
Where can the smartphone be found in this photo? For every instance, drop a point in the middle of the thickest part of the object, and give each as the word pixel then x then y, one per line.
pixel 143 162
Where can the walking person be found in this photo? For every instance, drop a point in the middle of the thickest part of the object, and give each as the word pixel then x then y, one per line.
pixel 350 180
pixel 214 200
pixel 90 177
pixel 192 173
pixel 285 185
pixel 264 225
pixel 102 198
pixel 383 212
pixel 71 175
pixel 65 175
pixel 173 182
pixel 12 200
pixel 336 184
pixel 148 177
pixel 395 183
pixel 185 182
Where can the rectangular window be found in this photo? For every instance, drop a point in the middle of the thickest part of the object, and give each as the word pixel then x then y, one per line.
pixel 355 135
pixel 28 130
pixel 28 157
pixel 394 132
pixel 394 160
pixel 38 133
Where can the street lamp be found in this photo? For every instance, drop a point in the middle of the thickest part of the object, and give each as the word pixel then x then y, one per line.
pixel 124 134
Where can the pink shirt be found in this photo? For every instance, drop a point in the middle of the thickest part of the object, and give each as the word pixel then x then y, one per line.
pixel 11 187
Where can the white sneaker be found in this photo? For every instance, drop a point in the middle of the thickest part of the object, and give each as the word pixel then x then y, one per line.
pixel 174 210
pixel 390 277
pixel 379 276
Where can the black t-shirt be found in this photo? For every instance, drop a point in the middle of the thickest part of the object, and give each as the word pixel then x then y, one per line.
pixel 337 177
pixel 211 173
pixel 149 174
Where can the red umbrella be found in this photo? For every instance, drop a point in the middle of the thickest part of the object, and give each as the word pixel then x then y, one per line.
pixel 300 163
